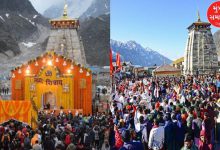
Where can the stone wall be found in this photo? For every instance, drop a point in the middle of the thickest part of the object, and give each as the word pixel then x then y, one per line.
pixel 200 53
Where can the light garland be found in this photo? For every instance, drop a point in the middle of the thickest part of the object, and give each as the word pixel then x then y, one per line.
pixel 80 71
pixel 72 67
pixel 36 63
pixel 64 63
pixel 57 60
pixel 49 63
pixel 68 71
pixel 13 75
pixel 19 71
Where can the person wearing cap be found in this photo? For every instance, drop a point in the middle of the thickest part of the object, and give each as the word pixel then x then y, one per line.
pixel 188 143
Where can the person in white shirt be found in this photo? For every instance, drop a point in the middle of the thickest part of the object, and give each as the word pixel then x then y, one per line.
pixel 122 99
pixel 156 137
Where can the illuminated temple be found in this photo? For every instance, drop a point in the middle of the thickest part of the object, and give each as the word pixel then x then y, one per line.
pixel 55 80
pixel 58 79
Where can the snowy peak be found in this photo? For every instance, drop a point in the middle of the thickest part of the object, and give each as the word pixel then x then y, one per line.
pixel 137 54
pixel 130 45
pixel 75 8
pixel 97 8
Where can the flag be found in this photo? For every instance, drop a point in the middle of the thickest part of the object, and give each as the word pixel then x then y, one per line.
pixel 110 61
pixel 118 61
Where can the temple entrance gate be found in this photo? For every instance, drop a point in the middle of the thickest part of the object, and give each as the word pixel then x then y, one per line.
pixel 50 87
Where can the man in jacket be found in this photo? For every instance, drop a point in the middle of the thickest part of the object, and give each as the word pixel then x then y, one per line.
pixel 169 139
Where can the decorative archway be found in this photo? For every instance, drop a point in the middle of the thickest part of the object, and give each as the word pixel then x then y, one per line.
pixel 49 100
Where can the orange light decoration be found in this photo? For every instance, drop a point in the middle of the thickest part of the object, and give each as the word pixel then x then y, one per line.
pixel 44 60
pixel 68 71
pixel 36 63
pixel 19 71
pixel 57 60
pixel 72 67
pixel 64 63
pixel 49 63
pixel 13 75
pixel 27 71
pixel 80 71
pixel 88 74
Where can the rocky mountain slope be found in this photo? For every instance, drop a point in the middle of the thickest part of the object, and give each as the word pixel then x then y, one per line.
pixel 137 54
pixel 21 27
pixel 82 9
pixel 95 33
pixel 24 34
pixel 97 8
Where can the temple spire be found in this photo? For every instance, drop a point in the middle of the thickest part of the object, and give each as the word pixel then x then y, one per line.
pixel 198 15
pixel 65 9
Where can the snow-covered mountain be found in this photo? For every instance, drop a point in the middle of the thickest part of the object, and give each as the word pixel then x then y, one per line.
pixel 79 8
pixel 75 8
pixel 22 33
pixel 97 8
pixel 137 54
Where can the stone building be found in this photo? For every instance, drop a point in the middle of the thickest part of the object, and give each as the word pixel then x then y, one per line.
pixel 200 52
pixel 64 38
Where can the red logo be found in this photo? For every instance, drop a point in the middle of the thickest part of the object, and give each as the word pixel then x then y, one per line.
pixel 213 14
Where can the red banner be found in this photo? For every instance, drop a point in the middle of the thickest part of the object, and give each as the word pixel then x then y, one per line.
pixel 118 61
pixel 110 60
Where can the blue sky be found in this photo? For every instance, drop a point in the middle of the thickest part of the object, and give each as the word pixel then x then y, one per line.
pixel 158 24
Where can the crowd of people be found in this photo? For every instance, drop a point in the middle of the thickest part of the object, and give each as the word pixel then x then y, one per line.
pixel 4 91
pixel 164 113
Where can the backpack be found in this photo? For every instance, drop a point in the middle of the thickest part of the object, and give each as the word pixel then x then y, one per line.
pixel 67 139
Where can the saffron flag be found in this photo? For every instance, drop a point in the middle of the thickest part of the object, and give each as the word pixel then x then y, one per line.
pixel 110 61
pixel 118 61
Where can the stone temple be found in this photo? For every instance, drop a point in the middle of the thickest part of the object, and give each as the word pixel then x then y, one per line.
pixel 64 38
pixel 200 52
